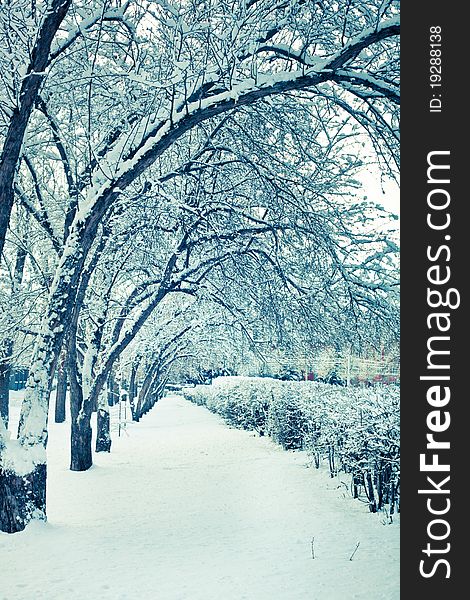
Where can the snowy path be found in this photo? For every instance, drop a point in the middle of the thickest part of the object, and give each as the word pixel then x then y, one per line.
pixel 185 508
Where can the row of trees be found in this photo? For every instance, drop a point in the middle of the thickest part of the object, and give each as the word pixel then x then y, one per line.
pixel 160 158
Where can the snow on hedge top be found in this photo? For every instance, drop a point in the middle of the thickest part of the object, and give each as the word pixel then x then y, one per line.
pixel 305 392
pixel 228 380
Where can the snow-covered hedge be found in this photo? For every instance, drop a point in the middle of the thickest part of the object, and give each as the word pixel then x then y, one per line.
pixel 354 430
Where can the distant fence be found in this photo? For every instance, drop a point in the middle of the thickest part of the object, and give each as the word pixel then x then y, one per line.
pixel 347 369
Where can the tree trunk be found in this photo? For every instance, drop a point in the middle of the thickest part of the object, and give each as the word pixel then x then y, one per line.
pixel 138 411
pixel 370 493
pixel 80 447
pixel 113 394
pixel 23 492
pixel 80 433
pixel 22 498
pixel 133 388
pixel 155 392
pixel 31 84
pixel 142 406
pixel 6 350
pixel 103 436
pixel 132 382
pixel 4 394
pixel 61 393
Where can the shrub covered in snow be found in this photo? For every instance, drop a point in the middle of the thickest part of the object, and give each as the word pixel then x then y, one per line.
pixel 353 430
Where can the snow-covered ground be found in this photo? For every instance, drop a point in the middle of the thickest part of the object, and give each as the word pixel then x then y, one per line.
pixel 185 508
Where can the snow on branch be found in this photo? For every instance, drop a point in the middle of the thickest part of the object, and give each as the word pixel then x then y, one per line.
pixel 115 14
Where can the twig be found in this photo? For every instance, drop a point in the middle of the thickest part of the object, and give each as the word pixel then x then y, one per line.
pixel 313 547
pixel 355 550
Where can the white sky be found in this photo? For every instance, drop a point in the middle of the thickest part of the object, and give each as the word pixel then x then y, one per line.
pixel 386 193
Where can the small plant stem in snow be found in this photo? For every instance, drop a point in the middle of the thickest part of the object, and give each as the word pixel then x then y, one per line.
pixel 355 550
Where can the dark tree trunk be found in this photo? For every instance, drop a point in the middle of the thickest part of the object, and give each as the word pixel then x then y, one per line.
pixel 4 393
pixel 133 412
pixel 61 394
pixel 133 388
pixel 143 400
pixel 132 382
pixel 113 393
pixel 370 492
pixel 19 120
pixel 80 450
pixel 5 371
pixel 155 393
pixel 380 488
pixel 103 435
pixel 138 411
pixel 80 434
pixel 22 498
